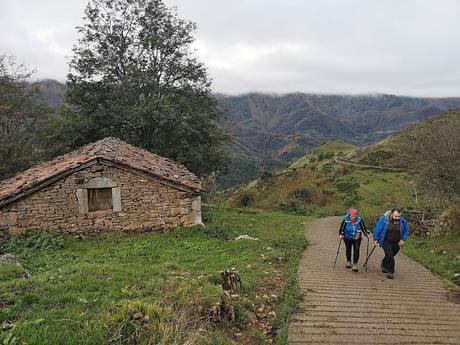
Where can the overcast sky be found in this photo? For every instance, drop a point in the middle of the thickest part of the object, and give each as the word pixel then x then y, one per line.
pixel 403 47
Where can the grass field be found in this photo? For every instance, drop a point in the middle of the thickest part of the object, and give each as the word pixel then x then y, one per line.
pixel 440 254
pixel 154 288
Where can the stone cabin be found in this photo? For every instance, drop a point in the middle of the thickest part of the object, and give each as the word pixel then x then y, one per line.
pixel 105 186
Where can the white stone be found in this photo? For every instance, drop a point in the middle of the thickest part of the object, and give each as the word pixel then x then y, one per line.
pixel 246 237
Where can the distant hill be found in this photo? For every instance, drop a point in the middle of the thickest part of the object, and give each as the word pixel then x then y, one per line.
pixel 271 131
pixel 383 152
pixel 51 92
pixel 336 175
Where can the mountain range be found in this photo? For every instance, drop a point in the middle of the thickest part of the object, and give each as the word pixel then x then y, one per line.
pixel 271 131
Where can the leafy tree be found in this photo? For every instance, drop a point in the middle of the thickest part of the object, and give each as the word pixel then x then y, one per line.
pixel 21 117
pixel 133 75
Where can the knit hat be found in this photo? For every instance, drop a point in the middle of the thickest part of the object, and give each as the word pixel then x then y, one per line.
pixel 353 212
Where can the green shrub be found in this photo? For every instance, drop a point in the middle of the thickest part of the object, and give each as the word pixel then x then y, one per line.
pixel 242 314
pixel 267 174
pixel 325 155
pixel 453 218
pixel 352 200
pixel 31 242
pixel 4 238
pixel 217 232
pixel 346 186
pixel 30 299
pixel 246 199
pixel 9 271
pixel 347 170
pixel 327 168
pixel 293 207
pixel 206 215
pixel 302 194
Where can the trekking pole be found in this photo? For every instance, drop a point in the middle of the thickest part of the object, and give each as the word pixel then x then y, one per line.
pixel 337 255
pixel 375 246
pixel 367 259
pixel 367 251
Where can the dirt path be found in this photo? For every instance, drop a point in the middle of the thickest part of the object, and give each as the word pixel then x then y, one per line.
pixel 342 307
pixel 337 160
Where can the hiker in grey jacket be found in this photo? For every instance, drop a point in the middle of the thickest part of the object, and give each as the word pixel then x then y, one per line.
pixel 390 233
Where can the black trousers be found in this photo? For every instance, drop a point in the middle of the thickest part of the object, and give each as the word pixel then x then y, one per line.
pixel 390 249
pixel 355 244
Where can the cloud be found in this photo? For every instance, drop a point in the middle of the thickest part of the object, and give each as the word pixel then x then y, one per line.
pixel 330 46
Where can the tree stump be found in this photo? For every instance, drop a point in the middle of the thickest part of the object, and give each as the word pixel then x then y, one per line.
pixel 231 280
pixel 222 311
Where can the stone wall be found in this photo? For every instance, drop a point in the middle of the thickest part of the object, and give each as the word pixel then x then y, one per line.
pixel 425 224
pixel 140 204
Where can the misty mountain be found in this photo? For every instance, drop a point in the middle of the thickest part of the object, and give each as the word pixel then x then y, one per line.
pixel 51 92
pixel 270 131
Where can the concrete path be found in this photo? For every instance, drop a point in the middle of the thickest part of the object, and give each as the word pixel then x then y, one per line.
pixel 342 307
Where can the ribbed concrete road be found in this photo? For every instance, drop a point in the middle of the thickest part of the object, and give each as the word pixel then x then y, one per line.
pixel 342 307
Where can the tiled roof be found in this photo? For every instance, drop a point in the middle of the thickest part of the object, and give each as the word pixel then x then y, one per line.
pixel 109 149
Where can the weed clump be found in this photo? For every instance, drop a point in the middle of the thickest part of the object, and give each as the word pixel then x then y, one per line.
pixel 217 232
pixel 148 323
pixel 31 242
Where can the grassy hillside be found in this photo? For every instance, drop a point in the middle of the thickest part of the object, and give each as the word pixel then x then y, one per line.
pixel 317 184
pixel 400 151
pixel 154 287
pixel 337 148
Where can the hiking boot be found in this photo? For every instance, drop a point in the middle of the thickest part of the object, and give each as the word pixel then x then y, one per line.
pixel 355 268
pixel 390 275
pixel 348 264
pixel 383 268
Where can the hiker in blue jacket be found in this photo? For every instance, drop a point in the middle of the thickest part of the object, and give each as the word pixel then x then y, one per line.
pixel 390 233
pixel 351 230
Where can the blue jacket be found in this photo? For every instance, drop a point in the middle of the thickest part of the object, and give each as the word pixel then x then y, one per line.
pixel 381 228
pixel 348 230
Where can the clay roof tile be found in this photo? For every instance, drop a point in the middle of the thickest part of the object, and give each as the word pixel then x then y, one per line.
pixel 109 149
